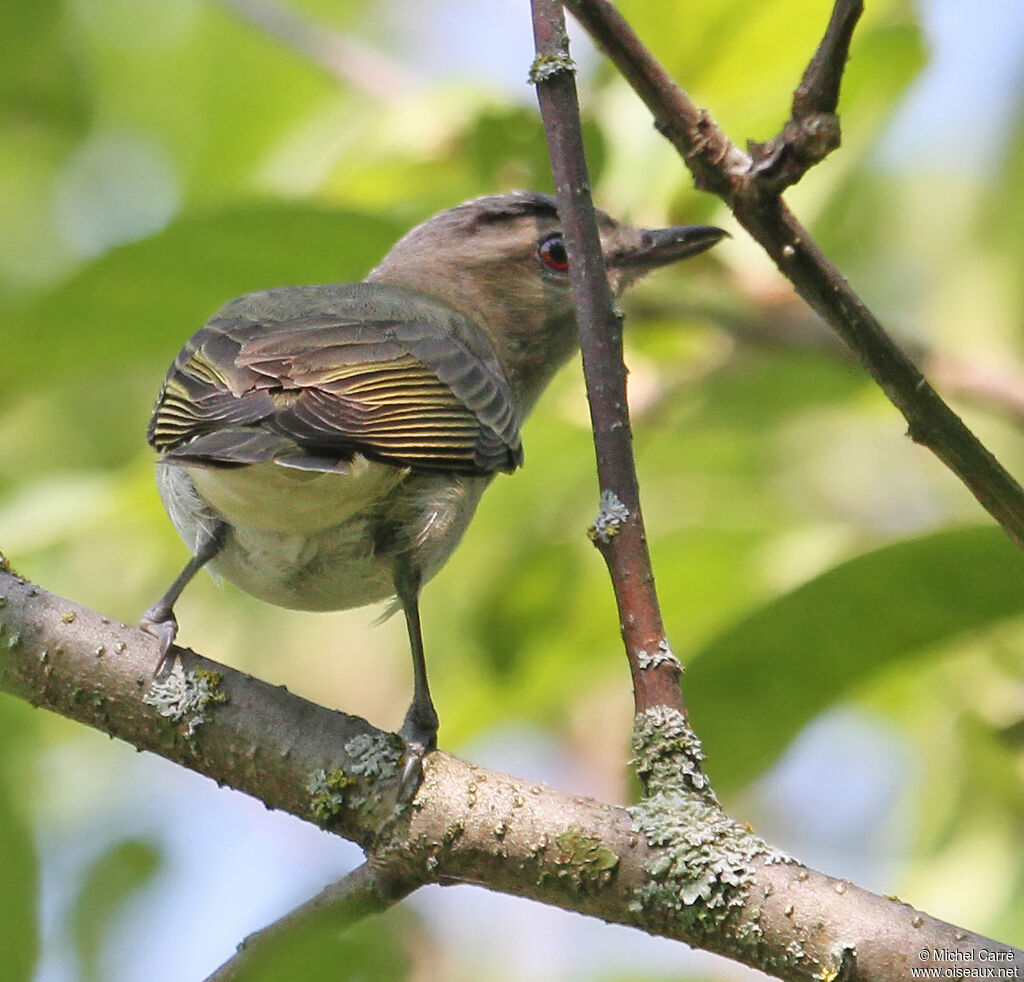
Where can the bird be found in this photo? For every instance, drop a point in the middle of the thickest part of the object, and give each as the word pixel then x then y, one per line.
pixel 325 447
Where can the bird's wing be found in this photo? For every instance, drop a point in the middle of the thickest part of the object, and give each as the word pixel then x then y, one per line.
pixel 314 390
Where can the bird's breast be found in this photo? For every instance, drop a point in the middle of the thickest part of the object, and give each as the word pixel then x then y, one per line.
pixel 322 554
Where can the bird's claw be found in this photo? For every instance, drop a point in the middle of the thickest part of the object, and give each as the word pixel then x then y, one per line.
pixel 420 739
pixel 412 772
pixel 163 625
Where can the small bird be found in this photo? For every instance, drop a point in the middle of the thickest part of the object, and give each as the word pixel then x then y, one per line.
pixel 325 447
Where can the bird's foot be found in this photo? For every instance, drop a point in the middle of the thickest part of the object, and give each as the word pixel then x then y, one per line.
pixel 163 625
pixel 419 734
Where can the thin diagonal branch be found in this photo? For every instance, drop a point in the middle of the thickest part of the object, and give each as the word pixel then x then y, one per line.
pixel 619 530
pixel 718 166
pixel 367 890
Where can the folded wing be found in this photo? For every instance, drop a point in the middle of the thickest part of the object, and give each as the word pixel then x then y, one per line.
pixel 313 390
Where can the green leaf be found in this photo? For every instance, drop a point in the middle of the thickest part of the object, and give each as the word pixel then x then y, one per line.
pixel 139 303
pixel 371 950
pixel 753 687
pixel 509 141
pixel 109 885
pixel 217 95
pixel 40 83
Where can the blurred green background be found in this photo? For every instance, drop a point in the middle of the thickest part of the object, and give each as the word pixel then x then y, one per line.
pixel 850 620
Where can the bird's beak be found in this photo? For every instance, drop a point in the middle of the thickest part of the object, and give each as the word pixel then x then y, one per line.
pixel 661 246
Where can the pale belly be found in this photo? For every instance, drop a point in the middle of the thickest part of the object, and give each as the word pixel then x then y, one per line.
pixel 283 499
pixel 329 542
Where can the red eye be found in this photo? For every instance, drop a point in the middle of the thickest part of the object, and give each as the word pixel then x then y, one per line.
pixel 552 253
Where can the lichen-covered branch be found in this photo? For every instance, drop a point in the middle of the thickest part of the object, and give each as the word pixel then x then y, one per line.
pixel 259 738
pixel 673 865
pixel 618 531
pixel 720 167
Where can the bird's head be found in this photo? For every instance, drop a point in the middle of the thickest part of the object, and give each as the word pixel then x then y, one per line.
pixel 501 260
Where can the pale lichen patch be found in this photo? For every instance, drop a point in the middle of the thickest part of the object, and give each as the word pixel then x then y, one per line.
pixel 547 66
pixel 185 696
pixel 668 755
pixel 609 519
pixel 369 760
pixel 702 862
pixel 661 655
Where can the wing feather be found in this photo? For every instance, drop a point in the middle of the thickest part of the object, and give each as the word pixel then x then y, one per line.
pixel 312 389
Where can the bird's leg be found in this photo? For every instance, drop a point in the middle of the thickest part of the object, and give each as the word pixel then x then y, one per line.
pixel 159 620
pixel 419 731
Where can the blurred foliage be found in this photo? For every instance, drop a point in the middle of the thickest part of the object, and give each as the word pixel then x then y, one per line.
pixel 755 685
pixel 365 952
pixel 110 883
pixel 19 864
pixel 159 159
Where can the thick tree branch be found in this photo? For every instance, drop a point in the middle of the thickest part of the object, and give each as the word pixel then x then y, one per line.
pixel 673 866
pixel 718 166
pixel 619 530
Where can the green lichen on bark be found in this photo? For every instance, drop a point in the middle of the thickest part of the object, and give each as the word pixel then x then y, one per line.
pixel 210 683
pixel 372 757
pixel 701 861
pixel 700 865
pixel 327 794
pixel 369 761
pixel 583 860
pixel 545 67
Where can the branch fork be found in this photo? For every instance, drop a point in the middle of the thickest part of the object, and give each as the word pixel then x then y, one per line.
pixel 753 196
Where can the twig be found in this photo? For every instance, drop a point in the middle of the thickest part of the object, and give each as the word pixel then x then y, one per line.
pixel 718 166
pixel 812 131
pixel 366 890
pixel 619 530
